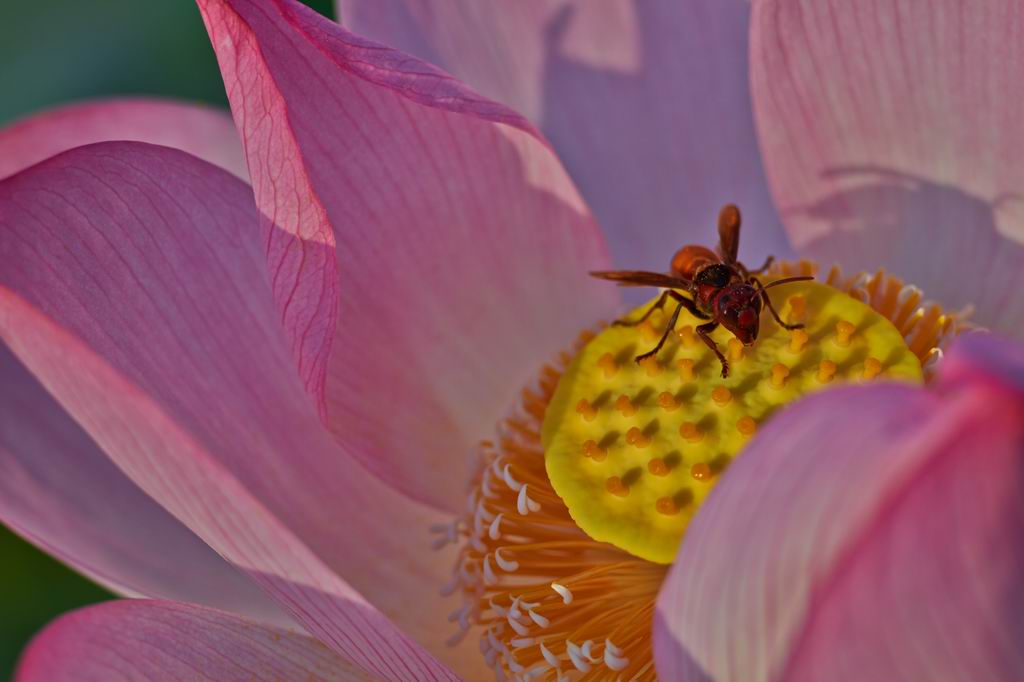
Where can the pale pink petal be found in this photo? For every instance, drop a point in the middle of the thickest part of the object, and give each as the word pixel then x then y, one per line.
pixel 199 130
pixel 134 287
pixel 156 640
pixel 868 533
pixel 59 491
pixel 428 252
pixel 647 103
pixel 891 134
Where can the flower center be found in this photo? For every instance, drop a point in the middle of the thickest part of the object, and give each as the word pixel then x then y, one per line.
pixel 633 450
pixel 582 499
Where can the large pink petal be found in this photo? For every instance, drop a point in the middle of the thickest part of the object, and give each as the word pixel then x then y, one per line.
pixel 891 134
pixel 134 287
pixel 199 130
pixel 154 640
pixel 869 533
pixel 428 252
pixel 647 103
pixel 61 492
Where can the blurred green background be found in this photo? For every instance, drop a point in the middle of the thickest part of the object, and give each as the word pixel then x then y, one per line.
pixel 55 51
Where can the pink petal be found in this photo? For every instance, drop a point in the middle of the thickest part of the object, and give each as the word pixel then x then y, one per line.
pixel 892 137
pixel 647 102
pixel 61 492
pixel 133 286
pixel 428 252
pixel 869 533
pixel 201 131
pixel 155 640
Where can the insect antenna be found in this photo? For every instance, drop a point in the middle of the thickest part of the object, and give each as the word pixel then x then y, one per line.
pixel 784 280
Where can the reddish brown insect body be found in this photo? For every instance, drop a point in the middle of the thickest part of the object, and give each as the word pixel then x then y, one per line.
pixel 712 286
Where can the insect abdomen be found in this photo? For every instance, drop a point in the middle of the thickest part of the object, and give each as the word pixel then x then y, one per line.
pixel 690 259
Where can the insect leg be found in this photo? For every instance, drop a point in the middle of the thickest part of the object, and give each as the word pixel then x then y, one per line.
pixel 683 303
pixel 658 305
pixel 775 314
pixel 661 341
pixel 767 264
pixel 702 332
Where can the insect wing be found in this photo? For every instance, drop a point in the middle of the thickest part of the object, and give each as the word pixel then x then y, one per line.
pixel 729 233
pixel 640 278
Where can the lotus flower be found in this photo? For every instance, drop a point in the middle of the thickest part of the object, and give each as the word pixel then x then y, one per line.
pixel 246 405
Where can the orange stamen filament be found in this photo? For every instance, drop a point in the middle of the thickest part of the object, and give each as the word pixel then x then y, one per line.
pixel 550 600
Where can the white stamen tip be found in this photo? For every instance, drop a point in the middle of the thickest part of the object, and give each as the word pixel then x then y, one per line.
pixel 535 672
pixel 507 565
pixel 520 629
pixel 548 656
pixel 522 642
pixel 494 532
pixel 906 292
pixel 489 577
pixel 613 657
pixel 500 610
pixel 539 619
pixel 563 591
pixel 521 502
pixel 579 661
pixel 509 481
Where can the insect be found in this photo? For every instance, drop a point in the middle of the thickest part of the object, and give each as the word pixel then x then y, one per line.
pixel 712 286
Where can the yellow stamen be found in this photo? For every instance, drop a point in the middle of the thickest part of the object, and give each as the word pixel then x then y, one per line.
pixel 691 432
pixel 701 471
pixel 616 486
pixel 797 340
pixel 872 368
pixel 746 426
pixel 668 402
pixel 779 374
pixel 637 438
pixel 586 410
pixel 594 451
pixel 844 330
pixel 625 406
pixel 721 395
pixel 648 332
pixel 735 350
pixel 686 336
pixel 608 364
pixel 826 370
pixel 658 467
pixel 652 367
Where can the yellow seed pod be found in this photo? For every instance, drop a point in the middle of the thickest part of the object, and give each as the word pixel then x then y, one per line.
pixel 666 437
